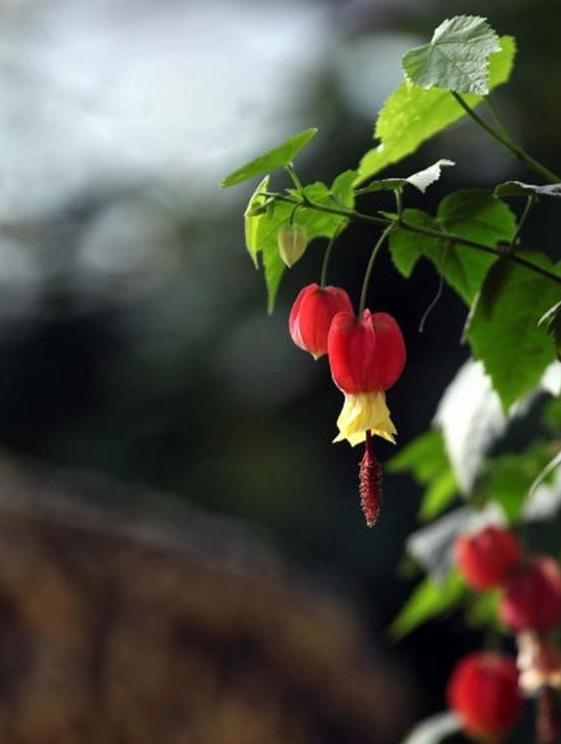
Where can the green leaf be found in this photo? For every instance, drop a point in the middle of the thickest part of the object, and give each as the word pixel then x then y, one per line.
pixel 457 58
pixel 473 214
pixel 411 115
pixel 426 459
pixel 407 247
pixel 476 215
pixel 429 599
pixel 518 188
pixel 508 478
pixel 551 320
pixel 481 611
pixel 440 494
pixel 252 220
pixel 270 160
pixel 262 230
pixel 506 337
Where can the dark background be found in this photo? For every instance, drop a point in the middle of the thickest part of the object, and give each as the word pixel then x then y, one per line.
pixel 134 338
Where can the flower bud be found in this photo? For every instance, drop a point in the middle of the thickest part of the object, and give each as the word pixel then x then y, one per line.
pixel 311 316
pixel 366 354
pixel 486 558
pixel 532 595
pixel 292 241
pixel 483 692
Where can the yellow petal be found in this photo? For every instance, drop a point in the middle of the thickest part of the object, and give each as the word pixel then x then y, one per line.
pixel 365 412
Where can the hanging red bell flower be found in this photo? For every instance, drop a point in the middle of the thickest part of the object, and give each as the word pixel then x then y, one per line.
pixel 485 558
pixel 311 316
pixel 483 692
pixel 366 356
pixel 532 595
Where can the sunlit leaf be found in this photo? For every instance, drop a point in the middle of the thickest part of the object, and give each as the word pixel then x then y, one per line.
pixel 457 57
pixel 426 177
pixel 411 115
pixel 421 180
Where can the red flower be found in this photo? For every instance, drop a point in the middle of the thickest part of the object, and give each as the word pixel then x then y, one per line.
pixel 486 558
pixel 532 595
pixel 366 356
pixel 311 316
pixel 483 692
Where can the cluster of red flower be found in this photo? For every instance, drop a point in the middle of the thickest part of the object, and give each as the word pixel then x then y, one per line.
pixel 366 356
pixel 485 689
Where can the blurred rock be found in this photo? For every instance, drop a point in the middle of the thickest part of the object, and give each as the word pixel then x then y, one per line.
pixel 126 616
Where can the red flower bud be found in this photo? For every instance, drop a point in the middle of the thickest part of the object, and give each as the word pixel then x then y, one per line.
pixel 486 558
pixel 366 354
pixel 532 595
pixel 483 692
pixel 311 316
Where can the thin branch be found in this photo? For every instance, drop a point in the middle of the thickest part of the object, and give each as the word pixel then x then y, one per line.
pixel 370 266
pixel 353 215
pixel 515 149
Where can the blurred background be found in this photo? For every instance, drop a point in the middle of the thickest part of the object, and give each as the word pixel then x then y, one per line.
pixel 183 556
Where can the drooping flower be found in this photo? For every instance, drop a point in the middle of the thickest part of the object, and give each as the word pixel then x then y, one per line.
pixel 486 557
pixel 532 595
pixel 312 314
pixel 483 692
pixel 366 356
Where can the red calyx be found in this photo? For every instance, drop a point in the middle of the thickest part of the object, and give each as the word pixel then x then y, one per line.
pixel 532 595
pixel 370 483
pixel 486 558
pixel 483 692
pixel 366 354
pixel 312 314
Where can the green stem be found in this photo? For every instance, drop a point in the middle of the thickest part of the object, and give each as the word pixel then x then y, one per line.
pixel 530 201
pixel 496 118
pixel 398 202
pixel 352 214
pixel 326 257
pixel 459 240
pixel 515 149
pixel 370 266
pixel 295 179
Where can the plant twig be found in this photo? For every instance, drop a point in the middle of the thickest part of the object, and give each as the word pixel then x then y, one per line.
pixel 370 266
pixel 504 140
pixel 353 215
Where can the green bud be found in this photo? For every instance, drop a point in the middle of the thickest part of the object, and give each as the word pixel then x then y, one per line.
pixel 292 241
